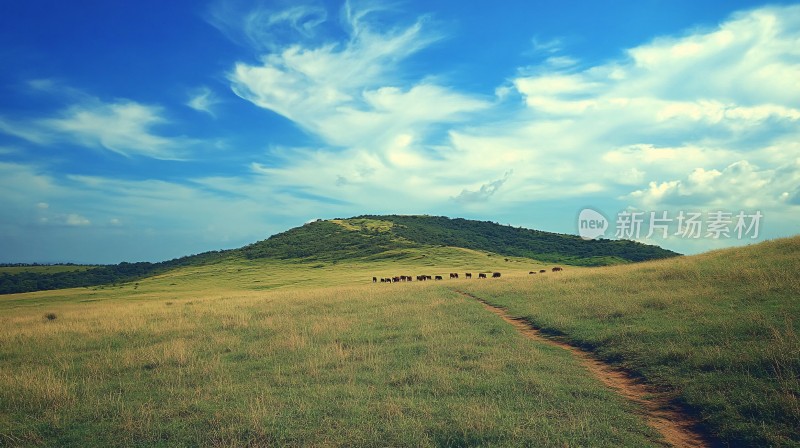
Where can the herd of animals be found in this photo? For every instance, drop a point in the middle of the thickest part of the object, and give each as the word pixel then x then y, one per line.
pixel 453 275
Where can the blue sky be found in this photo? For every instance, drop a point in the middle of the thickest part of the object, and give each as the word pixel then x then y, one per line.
pixel 151 130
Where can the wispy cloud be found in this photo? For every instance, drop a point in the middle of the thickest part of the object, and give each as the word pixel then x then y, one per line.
pixel 122 126
pixel 484 193
pixel 352 92
pixel 546 46
pixel 263 27
pixel 203 100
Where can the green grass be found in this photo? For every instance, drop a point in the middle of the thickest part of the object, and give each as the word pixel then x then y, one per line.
pixel 251 351
pixel 719 329
pixel 413 365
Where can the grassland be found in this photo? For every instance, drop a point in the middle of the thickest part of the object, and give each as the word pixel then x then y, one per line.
pixel 257 352
pixel 365 365
pixel 719 330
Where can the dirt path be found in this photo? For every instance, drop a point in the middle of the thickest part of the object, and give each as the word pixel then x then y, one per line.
pixel 676 427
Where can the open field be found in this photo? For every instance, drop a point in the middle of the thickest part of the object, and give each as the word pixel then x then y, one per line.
pixel 412 365
pixel 719 330
pixel 313 354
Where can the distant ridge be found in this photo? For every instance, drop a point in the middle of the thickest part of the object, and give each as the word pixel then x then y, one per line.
pixel 365 237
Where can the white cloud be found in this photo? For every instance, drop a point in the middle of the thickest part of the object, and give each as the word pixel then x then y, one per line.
pixel 125 127
pixel 73 219
pixel 24 131
pixel 263 28
pixel 738 185
pixel 484 192
pixel 122 126
pixel 348 92
pixel 203 100
pixel 547 46
pixel 747 60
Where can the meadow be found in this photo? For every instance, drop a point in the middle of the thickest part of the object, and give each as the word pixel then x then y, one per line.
pixel 370 365
pixel 282 353
pixel 719 331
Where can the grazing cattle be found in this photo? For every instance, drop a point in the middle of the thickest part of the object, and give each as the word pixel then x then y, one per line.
pixel 453 275
pixel 374 279
pixel 532 272
pixel 557 269
pixel 468 275
pixel 395 279
pixel 420 278
pixel 481 275
pixel 438 277
pixel 542 271
pixel 496 275
pixel 428 277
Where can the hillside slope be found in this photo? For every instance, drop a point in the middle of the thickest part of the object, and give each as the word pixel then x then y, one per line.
pixel 719 330
pixel 368 235
pixel 364 238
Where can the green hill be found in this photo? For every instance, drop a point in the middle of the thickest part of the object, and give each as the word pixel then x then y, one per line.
pixel 368 235
pixel 363 238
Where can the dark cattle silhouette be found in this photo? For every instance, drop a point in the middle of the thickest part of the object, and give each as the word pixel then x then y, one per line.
pixel 556 269
pixel 395 279
pixel 420 278
pixel 481 275
pixel 374 279
pixel 532 272
pixel 496 275
pixel 542 271
pixel 438 277
pixel 452 275
pixel 428 277
pixel 468 275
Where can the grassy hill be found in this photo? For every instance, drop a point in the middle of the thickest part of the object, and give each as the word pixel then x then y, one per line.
pixel 367 235
pixel 363 238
